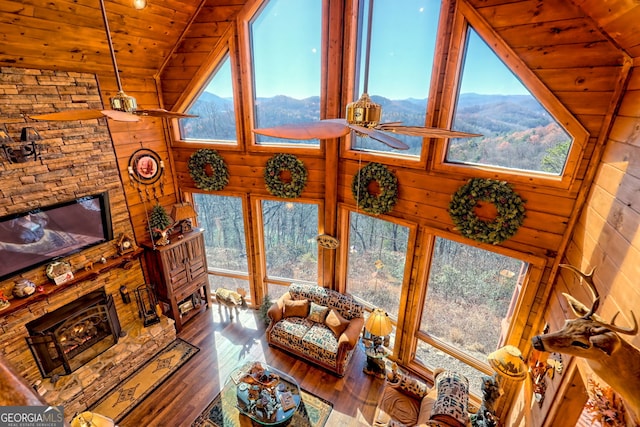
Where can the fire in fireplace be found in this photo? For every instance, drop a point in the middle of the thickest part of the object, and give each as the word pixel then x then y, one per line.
pixel 67 338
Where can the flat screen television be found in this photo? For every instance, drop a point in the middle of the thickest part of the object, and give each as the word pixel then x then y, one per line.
pixel 33 238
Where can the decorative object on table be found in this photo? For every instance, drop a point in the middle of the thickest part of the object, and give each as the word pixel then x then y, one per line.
pixel 182 214
pixel 208 170
pixel 163 240
pixel 147 302
pixel 124 397
pixel 379 326
pixel 159 221
pixel 146 170
pixel 125 244
pixel 375 189
pixel 312 411
pixel 285 176
pixel 510 210
pixel 4 302
pixel 59 271
pixel 23 288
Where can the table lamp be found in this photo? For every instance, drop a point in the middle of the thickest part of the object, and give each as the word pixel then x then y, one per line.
pixel 508 362
pixel 379 326
pixel 182 214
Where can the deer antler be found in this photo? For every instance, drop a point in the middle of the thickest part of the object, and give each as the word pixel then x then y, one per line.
pixel 620 329
pixel 588 279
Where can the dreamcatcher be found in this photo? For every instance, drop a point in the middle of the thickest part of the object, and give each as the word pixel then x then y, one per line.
pixel 146 174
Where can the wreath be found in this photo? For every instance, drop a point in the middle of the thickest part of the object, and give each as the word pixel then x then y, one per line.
pixel 375 204
pixel 203 159
pixel 509 205
pixel 289 189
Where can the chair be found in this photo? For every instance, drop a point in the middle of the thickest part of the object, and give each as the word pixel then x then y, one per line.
pixel 407 401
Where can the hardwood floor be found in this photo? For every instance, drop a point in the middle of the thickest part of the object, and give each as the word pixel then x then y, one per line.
pixel 226 344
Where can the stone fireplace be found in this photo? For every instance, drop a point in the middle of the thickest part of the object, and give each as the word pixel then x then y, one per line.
pixel 65 339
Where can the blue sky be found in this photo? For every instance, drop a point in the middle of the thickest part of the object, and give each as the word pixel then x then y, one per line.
pixel 287 48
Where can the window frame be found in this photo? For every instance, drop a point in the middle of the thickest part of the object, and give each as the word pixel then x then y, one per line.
pixel 516 332
pixel 250 276
pixel 344 226
pixel 259 241
pixel 226 48
pixel 466 16
pixel 245 19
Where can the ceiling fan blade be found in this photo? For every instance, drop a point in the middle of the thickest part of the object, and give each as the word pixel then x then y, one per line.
pixel 382 137
pixel 425 132
pixel 324 129
pixel 120 116
pixel 160 112
pixel 69 115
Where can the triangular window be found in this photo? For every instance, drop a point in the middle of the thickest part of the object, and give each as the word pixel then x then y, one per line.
pixel 518 132
pixel 214 107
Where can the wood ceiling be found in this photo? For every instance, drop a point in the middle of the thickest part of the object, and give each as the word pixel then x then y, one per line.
pixel 69 35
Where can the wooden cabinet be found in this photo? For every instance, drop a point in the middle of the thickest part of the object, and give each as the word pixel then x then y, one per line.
pixel 178 271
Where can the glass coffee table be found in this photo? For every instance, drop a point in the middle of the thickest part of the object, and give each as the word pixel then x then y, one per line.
pixel 266 395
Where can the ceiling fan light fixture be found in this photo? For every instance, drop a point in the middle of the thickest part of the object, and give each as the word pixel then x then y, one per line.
pixel 124 102
pixel 139 4
pixel 364 112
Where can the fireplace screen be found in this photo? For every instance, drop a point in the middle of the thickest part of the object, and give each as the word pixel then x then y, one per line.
pixel 67 338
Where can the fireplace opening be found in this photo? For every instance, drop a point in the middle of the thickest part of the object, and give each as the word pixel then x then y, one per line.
pixel 67 338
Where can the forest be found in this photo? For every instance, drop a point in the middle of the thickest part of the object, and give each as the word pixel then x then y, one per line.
pixel 517 132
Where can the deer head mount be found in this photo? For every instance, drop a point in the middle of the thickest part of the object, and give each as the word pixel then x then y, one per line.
pixel 589 336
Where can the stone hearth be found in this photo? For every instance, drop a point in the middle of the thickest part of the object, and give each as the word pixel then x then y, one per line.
pixel 80 389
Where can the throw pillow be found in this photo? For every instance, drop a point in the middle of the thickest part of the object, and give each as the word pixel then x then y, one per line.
pixel 317 312
pixel 336 322
pixel 412 387
pixel 296 308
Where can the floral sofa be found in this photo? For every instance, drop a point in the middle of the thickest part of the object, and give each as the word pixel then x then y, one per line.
pixel 317 324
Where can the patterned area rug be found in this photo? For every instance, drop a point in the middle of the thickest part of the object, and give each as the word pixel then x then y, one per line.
pixel 129 393
pixel 222 412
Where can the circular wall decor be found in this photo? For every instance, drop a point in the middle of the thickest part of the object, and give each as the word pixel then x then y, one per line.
pixel 214 179
pixel 509 206
pixel 375 204
pixel 145 166
pixel 278 164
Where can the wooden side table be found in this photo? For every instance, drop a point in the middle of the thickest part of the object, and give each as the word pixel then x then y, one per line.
pixel 375 361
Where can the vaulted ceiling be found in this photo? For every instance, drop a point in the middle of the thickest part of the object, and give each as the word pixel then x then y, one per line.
pixel 69 34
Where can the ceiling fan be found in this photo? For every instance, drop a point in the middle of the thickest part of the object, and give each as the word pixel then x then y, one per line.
pixel 124 108
pixel 362 116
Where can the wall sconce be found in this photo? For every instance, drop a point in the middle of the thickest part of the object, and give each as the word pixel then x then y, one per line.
pixel 508 362
pixel 29 150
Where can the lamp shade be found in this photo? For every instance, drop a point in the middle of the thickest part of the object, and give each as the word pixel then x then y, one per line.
pixel 182 211
pixel 508 361
pixel 379 323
